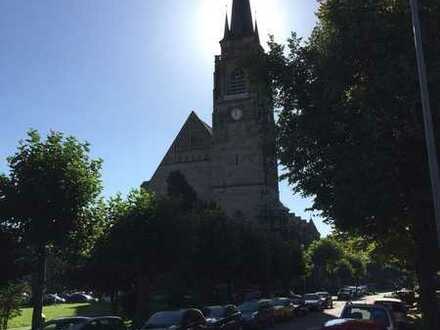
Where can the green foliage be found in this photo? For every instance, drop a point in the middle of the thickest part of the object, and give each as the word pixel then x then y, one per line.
pixel 50 184
pixel 11 296
pixel 157 243
pixel 351 133
pixel 46 197
pixel 9 265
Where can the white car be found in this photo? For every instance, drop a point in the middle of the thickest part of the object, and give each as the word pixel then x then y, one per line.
pixel 397 308
pixel 376 313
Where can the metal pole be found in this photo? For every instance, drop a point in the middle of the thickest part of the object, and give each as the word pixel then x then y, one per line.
pixel 427 115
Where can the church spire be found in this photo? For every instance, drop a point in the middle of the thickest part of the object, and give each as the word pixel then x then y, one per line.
pixel 227 30
pixel 257 34
pixel 241 21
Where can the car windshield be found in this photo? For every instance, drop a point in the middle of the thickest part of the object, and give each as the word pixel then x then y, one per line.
pixel 163 320
pixel 248 307
pixel 311 297
pixel 214 311
pixel 62 324
pixel 366 313
pixel 281 302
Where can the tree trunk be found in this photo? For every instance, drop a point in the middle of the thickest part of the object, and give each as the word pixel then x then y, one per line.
pixel 141 299
pixel 114 301
pixel 38 289
pixel 426 266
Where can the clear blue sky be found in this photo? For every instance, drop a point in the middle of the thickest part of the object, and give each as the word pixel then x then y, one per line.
pixel 121 74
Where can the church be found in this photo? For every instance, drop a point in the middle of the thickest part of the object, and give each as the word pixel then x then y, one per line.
pixel 233 162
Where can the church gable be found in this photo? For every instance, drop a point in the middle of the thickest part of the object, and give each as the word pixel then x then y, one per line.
pixel 192 143
pixel 189 154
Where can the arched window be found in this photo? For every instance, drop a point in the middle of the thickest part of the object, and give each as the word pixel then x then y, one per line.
pixel 237 82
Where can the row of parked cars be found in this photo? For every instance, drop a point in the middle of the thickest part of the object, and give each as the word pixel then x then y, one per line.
pixel 352 292
pixel 252 314
pixel 383 314
pixel 76 297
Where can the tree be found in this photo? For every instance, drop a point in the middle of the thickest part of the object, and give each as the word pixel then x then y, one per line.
pixel 50 185
pixel 344 273
pixel 351 131
pixel 11 295
pixel 150 236
pixel 10 290
pixel 324 256
pixel 180 189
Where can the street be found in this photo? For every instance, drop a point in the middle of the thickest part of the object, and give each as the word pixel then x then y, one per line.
pixel 314 321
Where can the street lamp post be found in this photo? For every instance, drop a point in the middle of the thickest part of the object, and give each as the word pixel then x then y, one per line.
pixel 427 115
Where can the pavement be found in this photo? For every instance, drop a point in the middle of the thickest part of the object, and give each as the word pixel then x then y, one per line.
pixel 314 321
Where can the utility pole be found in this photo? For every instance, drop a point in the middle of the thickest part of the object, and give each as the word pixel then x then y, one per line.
pixel 427 114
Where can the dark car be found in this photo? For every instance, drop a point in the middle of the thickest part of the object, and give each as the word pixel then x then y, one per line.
pixel 223 317
pixel 314 302
pixel 327 298
pixel 64 323
pixel 257 314
pixel 406 295
pixel 300 306
pixel 85 323
pixel 283 309
pixel 51 299
pixel 180 320
pixel 80 298
pixel 345 294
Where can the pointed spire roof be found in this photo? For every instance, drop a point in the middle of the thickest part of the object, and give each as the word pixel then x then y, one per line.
pixel 257 34
pixel 241 24
pixel 227 30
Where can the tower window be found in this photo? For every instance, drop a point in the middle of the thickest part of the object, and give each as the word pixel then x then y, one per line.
pixel 237 82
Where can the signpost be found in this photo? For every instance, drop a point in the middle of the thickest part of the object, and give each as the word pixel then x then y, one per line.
pixel 427 115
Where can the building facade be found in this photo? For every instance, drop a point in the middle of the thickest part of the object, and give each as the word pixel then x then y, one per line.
pixel 232 163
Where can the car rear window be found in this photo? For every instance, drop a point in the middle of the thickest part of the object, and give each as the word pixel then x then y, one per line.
pixel 366 313
pixel 163 320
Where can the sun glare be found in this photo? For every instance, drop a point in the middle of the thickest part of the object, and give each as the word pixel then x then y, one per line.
pixel 212 15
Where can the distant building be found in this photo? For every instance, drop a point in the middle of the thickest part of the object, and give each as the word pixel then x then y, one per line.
pixel 233 162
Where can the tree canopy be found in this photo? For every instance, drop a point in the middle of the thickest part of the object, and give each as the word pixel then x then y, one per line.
pixel 350 126
pixel 50 185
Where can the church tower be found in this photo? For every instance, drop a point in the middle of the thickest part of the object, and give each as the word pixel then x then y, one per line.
pixel 245 183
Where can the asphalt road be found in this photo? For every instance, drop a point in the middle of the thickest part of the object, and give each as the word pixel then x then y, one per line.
pixel 314 321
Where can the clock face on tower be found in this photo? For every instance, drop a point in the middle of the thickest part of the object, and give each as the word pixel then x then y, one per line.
pixel 236 114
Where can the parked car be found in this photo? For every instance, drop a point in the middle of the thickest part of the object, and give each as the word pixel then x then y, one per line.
pixel 398 309
pixel 345 294
pixel 348 324
pixel 368 312
pixel 406 295
pixel 257 314
pixel 252 295
pixel 80 298
pixel 51 299
pixel 179 320
pixel 300 306
pixel 314 302
pixel 283 309
pixel 86 323
pixel 327 298
pixel 223 317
